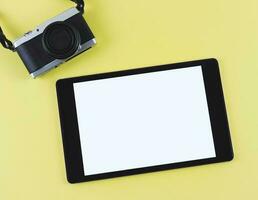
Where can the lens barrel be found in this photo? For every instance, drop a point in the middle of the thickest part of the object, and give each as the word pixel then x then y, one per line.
pixel 61 40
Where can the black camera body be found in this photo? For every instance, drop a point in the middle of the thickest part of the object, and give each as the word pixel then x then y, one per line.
pixel 54 42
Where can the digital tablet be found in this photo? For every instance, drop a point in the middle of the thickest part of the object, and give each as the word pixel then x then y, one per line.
pixel 143 120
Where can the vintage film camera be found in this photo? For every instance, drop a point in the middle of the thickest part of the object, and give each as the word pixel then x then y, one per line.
pixel 53 42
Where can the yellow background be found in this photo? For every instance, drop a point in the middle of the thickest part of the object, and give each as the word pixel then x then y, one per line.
pixel 130 34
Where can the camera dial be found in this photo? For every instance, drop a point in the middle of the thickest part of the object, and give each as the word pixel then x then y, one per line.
pixel 61 40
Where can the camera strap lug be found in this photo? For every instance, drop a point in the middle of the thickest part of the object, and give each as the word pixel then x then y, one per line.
pixel 80 5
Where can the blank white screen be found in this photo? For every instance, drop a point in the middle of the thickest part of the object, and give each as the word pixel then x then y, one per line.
pixel 143 120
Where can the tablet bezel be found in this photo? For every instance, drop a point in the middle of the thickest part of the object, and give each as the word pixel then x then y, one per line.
pixel 70 130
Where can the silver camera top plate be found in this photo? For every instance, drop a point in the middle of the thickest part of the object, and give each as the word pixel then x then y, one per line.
pixel 39 29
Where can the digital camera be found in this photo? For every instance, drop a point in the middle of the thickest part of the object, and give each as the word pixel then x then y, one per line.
pixel 54 42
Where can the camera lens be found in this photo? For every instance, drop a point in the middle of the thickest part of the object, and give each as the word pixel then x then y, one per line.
pixel 60 40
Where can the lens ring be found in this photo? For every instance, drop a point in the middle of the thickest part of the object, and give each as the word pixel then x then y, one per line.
pixel 60 40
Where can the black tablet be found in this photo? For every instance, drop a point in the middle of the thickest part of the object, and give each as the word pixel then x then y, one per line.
pixel 143 120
